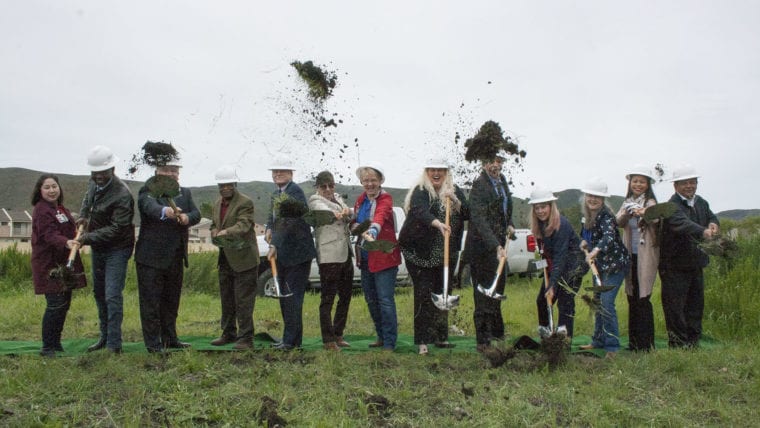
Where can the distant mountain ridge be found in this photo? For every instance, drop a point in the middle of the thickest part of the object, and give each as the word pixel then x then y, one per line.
pixel 17 184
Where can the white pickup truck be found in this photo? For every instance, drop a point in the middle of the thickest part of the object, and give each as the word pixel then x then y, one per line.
pixel 520 255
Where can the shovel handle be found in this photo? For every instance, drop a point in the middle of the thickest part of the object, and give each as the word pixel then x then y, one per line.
pixel 592 263
pixel 273 266
pixel 446 235
pixel 75 249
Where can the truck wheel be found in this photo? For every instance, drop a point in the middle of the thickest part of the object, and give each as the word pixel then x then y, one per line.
pixel 261 284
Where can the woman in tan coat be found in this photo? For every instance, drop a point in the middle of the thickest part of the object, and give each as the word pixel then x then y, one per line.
pixel 336 271
pixel 640 238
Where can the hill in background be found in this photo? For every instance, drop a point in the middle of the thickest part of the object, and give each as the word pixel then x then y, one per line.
pixel 15 193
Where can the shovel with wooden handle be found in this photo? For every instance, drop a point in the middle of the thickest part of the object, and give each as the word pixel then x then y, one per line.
pixel 491 291
pixel 274 290
pixel 597 287
pixel 65 274
pixel 443 301
pixel 75 249
pixel 543 331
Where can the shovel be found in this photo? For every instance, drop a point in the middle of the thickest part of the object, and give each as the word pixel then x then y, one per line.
pixel 274 290
pixel 65 274
pixel 597 287
pixel 491 292
pixel 545 332
pixel 162 186
pixel 443 301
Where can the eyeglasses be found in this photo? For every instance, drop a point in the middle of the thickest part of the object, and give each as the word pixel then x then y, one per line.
pixel 327 186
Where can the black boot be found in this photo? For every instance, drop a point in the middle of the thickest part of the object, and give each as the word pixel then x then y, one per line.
pixel 97 346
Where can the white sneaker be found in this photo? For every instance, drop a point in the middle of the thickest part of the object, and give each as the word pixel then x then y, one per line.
pixel 562 330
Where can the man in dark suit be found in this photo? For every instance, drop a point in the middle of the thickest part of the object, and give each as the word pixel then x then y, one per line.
pixel 161 256
pixel 291 244
pixel 490 218
pixel 682 261
pixel 232 230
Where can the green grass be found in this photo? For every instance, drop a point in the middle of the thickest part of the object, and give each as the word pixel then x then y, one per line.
pixel 714 386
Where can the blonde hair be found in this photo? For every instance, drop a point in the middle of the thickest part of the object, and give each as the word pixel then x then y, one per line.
pixel 424 183
pixel 590 220
pixel 552 223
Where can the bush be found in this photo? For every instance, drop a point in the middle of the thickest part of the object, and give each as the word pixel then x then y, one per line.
pixel 15 269
pixel 732 298
pixel 201 275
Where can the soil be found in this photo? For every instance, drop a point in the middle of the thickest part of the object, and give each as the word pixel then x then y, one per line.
pixel 377 405
pixel 153 154
pixel 268 413
pixel 320 82
pixel 555 350
pixel 497 356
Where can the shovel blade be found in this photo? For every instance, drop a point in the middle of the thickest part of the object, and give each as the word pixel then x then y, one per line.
pixel 445 304
pixel 272 289
pixel 491 293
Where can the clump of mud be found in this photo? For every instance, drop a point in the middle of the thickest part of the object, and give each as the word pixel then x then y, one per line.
pixel 594 303
pixel 497 356
pixel 488 142
pixel 555 350
pixel 153 154
pixel 377 405
pixel 320 82
pixel 268 415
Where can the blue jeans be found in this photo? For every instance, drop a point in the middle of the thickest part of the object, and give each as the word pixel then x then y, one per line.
pixel 606 333
pixel 109 271
pixel 379 289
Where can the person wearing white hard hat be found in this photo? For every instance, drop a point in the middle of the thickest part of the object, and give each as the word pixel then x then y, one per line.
pixel 292 247
pixel 640 238
pixel 600 233
pixel 682 261
pixel 560 248
pixel 107 210
pixel 422 243
pixel 375 207
pixel 232 230
pixel 160 258
pixel 490 223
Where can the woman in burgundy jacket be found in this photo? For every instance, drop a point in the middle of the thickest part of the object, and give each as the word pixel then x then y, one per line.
pixel 53 233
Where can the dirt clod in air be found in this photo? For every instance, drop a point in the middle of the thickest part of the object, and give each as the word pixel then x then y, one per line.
pixel 153 154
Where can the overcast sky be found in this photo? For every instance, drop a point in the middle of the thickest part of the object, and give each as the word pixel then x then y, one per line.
pixel 589 88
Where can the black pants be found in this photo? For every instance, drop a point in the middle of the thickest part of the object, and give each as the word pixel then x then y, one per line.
pixel 489 324
pixel 335 278
pixel 237 291
pixel 640 315
pixel 431 325
pixel 160 291
pixel 683 303
pixel 565 304
pixel 52 321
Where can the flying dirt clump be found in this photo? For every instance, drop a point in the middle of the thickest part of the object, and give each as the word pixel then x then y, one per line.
pixel 489 140
pixel 153 154
pixel 320 82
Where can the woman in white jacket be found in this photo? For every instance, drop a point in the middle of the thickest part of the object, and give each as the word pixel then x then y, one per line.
pixel 336 271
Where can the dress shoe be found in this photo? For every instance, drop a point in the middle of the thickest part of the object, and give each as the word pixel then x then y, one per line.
pixel 445 345
pixel 97 346
pixel 331 346
pixel 342 343
pixel 59 348
pixel 176 344
pixel 242 345
pixel 115 350
pixel 283 347
pixel 423 350
pixel 586 347
pixel 222 340
pixel 152 350
pixel 47 352
pixel 376 344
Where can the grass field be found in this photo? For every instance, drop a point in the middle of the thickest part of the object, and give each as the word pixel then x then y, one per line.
pixel 715 386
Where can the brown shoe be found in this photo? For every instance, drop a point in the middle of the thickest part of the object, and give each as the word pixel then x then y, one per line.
pixel 586 347
pixel 222 340
pixel 342 343
pixel 376 344
pixel 331 346
pixel 243 344
pixel 610 355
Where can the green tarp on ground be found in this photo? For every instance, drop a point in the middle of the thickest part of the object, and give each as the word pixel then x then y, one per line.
pixel 263 341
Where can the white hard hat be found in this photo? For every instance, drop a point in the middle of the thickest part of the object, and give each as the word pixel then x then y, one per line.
pixel 639 169
pixel 541 195
pixel 596 187
pixel 376 166
pixel 226 174
pixel 282 163
pixel 437 163
pixel 101 158
pixel 684 172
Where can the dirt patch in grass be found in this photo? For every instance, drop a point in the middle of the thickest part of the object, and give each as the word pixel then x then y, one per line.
pixel 377 406
pixel 267 413
pixel 555 350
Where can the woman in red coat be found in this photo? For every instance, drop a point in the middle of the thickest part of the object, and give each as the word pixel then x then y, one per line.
pixel 53 233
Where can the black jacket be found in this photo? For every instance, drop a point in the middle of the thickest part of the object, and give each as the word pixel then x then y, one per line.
pixel 488 224
pixel 109 213
pixel 682 233
pixel 160 240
